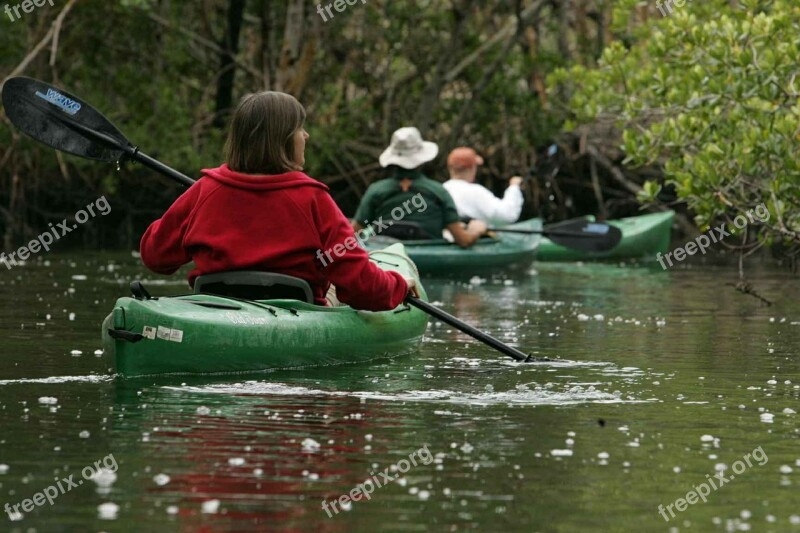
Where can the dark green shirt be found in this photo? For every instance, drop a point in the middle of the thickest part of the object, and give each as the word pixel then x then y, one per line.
pixel 426 203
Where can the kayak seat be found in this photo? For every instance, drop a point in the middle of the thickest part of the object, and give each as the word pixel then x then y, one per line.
pixel 406 231
pixel 254 285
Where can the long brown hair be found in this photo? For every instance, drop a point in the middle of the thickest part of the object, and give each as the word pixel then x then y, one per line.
pixel 261 136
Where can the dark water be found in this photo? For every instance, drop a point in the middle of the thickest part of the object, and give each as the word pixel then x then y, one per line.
pixel 679 377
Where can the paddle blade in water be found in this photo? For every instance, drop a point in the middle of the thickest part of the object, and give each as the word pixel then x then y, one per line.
pixel 582 234
pixel 61 120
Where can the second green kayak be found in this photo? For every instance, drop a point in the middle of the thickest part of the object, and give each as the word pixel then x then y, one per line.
pixel 504 251
pixel 642 236
pixel 201 333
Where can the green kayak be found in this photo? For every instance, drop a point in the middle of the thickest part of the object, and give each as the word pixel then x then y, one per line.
pixel 201 333
pixel 644 235
pixel 505 250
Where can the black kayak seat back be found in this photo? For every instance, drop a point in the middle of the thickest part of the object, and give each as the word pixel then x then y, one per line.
pixel 254 285
pixel 406 231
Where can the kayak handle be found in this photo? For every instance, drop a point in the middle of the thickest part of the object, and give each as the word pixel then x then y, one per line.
pixel 125 335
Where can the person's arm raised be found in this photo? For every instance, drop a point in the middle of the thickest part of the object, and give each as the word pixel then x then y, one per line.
pixel 505 210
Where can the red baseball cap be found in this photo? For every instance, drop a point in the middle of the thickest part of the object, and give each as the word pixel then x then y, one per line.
pixel 464 157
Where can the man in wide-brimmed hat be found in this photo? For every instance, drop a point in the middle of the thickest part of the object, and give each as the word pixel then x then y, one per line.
pixel 473 200
pixel 407 204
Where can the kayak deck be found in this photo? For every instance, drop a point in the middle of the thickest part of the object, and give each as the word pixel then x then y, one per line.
pixel 200 333
pixel 505 250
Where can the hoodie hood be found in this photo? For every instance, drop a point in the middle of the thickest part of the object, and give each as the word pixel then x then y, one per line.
pixel 256 182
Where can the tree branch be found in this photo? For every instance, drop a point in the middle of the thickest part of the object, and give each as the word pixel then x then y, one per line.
pixel 41 44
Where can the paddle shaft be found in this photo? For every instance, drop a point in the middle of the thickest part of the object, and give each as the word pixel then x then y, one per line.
pixel 485 338
pixel 132 152
pixel 546 233
pixel 158 166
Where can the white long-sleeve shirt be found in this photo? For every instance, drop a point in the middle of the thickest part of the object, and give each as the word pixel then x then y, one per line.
pixel 476 201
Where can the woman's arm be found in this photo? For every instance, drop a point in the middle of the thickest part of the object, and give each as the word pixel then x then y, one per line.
pixel 161 246
pixel 359 282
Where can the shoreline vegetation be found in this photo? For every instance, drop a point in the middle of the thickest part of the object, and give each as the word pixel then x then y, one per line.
pixel 639 120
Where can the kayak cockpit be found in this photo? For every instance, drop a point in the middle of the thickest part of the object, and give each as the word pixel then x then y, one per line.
pixel 254 285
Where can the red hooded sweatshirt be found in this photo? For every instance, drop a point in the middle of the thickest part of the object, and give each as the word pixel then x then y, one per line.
pixel 232 221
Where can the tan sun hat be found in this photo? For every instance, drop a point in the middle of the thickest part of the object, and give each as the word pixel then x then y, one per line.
pixel 408 150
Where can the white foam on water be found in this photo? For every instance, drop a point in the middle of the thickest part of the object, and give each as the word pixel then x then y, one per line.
pixel 538 396
pixel 561 453
pixel 59 379
pixel 107 511
pixel 564 393
pixel 210 506
pixel 555 363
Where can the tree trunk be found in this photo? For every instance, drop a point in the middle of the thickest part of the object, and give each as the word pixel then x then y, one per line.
pixel 268 43
pixel 230 48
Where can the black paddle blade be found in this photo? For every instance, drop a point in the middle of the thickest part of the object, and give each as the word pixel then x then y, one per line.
pixel 62 121
pixel 585 235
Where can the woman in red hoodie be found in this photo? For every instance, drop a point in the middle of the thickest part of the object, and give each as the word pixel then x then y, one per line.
pixel 259 211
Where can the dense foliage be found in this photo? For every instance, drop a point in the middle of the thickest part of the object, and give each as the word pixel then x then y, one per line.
pixel 704 97
pixel 710 94
pixel 463 71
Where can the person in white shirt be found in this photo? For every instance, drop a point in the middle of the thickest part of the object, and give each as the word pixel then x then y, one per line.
pixel 476 201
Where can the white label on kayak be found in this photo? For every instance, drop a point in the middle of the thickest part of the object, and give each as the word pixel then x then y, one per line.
pixel 176 335
pixel 164 333
pixel 149 332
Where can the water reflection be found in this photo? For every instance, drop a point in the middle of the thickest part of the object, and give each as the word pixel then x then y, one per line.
pixel 647 364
